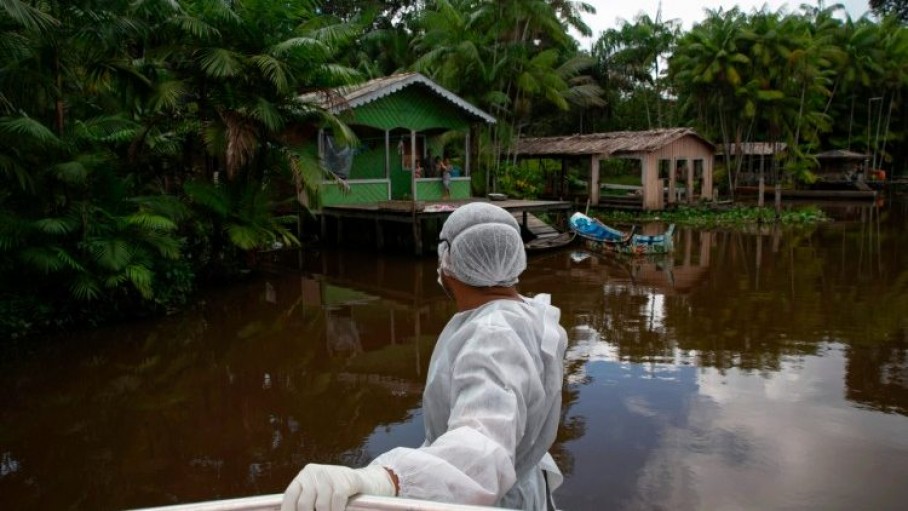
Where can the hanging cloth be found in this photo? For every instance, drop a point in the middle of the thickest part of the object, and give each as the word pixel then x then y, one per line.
pixel 337 159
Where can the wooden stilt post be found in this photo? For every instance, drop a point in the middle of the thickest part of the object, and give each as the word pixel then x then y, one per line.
pixel 379 235
pixel 324 226
pixel 417 234
pixel 689 185
pixel 761 189
pixel 778 200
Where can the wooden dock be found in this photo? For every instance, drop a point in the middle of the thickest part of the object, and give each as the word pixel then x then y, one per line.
pixel 380 224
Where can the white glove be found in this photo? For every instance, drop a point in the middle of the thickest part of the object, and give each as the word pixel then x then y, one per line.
pixel 327 487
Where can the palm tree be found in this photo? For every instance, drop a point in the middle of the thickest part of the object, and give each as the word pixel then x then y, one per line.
pixel 630 56
pixel 709 73
pixel 108 108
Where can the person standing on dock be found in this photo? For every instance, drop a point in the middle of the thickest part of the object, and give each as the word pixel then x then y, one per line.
pixel 492 400
pixel 445 168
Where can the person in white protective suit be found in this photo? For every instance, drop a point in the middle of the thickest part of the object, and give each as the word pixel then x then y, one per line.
pixel 492 401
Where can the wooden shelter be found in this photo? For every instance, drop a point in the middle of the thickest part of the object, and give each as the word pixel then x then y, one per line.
pixel 664 155
pixel 399 121
pixel 840 165
pixel 758 158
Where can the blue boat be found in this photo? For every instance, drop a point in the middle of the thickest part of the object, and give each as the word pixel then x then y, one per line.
pixel 599 237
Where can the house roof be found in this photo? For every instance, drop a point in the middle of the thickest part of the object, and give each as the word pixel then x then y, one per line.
pixel 615 142
pixel 756 148
pixel 353 96
pixel 840 154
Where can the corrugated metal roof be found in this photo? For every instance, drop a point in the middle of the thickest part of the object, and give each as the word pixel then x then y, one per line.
pixel 345 98
pixel 841 154
pixel 616 142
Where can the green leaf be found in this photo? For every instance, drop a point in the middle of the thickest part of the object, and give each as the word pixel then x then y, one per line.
pixel 274 70
pixel 72 172
pixel 220 62
pixel 56 226
pixel 111 254
pixel 28 127
pixel 151 221
pixel 209 196
pixel 141 278
pixel 84 287
pixel 267 113
pixel 29 17
pixel 246 237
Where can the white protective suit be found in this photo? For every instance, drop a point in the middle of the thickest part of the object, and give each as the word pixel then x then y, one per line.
pixel 491 406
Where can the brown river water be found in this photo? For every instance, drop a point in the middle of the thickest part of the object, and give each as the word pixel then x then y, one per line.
pixel 759 370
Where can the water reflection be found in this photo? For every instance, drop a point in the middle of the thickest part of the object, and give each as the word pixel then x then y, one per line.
pixel 229 400
pixel 726 390
pixel 737 373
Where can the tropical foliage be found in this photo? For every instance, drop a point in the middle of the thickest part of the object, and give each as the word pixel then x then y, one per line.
pixel 812 80
pixel 141 144
pixel 148 144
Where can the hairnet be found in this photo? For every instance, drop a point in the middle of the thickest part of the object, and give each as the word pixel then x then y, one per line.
pixel 481 246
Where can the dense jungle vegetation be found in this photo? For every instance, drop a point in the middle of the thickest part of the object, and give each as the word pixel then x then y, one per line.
pixel 142 142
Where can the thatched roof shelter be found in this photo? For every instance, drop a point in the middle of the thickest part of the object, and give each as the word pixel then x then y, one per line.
pixel 617 143
pixel 664 154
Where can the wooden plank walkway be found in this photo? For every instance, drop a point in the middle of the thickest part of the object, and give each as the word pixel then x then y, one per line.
pixel 534 225
pixel 543 236
pixel 429 213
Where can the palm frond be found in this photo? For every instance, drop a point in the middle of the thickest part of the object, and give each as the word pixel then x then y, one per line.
pixel 338 34
pixel 585 95
pixel 167 95
pixel 113 254
pixel 85 287
pixel 248 237
pixel 308 175
pixel 13 170
pixel 72 172
pixel 13 231
pixel 112 128
pixel 14 47
pixel 220 62
pixel 208 196
pixel 115 280
pixel 29 17
pixel 164 243
pixel 195 27
pixel 141 278
pixel 150 220
pixel 312 47
pixel 42 258
pixel 214 135
pixel 167 206
pixel 56 226
pixel 30 128
pixel 274 70
pixel 338 74
pixel 267 113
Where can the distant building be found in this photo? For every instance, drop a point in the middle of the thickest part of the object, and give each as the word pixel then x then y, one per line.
pixel 671 160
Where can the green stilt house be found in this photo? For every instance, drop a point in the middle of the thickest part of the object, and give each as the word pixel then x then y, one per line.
pixel 402 122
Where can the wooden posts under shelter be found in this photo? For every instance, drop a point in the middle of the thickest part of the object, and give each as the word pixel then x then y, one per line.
pixel 675 147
